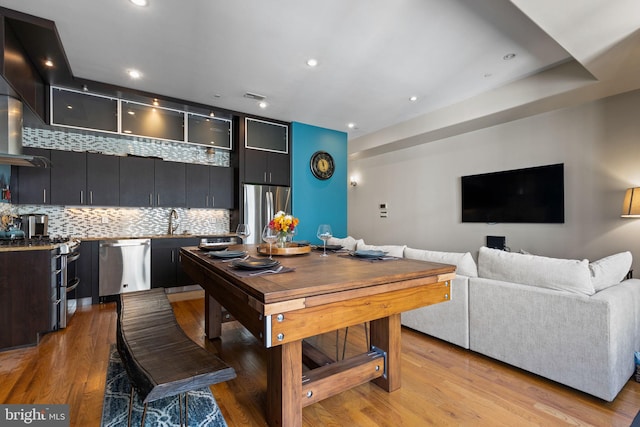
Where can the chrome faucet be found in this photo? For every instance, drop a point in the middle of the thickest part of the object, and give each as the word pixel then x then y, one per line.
pixel 173 215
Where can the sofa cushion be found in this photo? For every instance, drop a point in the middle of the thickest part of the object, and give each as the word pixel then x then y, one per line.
pixel 553 273
pixel 610 270
pixel 465 265
pixel 391 250
pixel 348 242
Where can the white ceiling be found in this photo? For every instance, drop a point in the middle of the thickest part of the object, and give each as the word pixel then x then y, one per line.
pixel 373 54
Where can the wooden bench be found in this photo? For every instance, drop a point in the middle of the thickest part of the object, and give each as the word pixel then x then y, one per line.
pixel 160 359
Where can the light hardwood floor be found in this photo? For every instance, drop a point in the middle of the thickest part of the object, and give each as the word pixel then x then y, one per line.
pixel 442 385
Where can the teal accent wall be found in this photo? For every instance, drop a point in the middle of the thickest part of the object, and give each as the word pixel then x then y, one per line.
pixel 318 201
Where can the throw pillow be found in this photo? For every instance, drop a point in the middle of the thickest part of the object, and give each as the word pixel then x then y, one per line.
pixel 391 250
pixel 610 270
pixel 465 265
pixel 533 270
pixel 348 243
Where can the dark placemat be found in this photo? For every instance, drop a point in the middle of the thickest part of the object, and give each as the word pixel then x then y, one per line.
pixel 383 258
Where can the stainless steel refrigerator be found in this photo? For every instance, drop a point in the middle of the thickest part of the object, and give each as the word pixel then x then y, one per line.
pixel 261 202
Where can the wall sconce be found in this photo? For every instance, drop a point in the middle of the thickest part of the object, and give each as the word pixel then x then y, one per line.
pixel 631 204
pixel 352 181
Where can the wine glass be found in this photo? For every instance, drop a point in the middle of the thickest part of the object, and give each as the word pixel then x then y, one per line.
pixel 243 231
pixel 324 233
pixel 270 236
pixel 291 234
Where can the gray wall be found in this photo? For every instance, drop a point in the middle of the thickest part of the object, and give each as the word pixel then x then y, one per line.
pixel 598 142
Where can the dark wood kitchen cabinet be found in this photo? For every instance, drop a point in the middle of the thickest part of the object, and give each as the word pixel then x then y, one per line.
pixel 87 271
pixel 221 187
pixel 136 181
pixel 33 185
pixel 209 187
pixel 197 186
pixel 169 184
pixel 166 269
pixel 103 174
pixel 68 177
pixel 265 167
pixel 25 297
pixel 151 182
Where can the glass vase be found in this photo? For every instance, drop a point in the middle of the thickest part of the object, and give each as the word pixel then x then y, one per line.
pixel 282 240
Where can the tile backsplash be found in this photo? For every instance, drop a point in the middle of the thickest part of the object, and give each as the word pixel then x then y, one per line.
pixel 127 222
pixel 119 145
pixel 115 221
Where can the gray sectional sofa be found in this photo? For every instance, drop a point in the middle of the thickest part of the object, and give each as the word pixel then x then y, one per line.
pixel 571 321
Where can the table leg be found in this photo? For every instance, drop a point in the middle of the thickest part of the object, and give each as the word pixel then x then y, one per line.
pixel 212 317
pixel 385 336
pixel 284 385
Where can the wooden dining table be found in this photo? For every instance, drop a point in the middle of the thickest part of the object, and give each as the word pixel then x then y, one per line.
pixel 319 295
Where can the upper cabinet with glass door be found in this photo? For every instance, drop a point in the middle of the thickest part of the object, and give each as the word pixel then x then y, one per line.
pixel 153 122
pixel 84 110
pixel 266 136
pixel 210 131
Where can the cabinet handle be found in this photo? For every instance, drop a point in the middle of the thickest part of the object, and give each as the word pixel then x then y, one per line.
pixel 158 202
pixel 91 197
pixel 269 176
pixel 44 195
pixel 81 197
pixel 150 199
pixel 265 177
pixel 213 201
pixel 206 201
pixel 172 256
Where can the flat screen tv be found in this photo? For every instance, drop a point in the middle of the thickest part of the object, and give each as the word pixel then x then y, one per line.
pixel 531 195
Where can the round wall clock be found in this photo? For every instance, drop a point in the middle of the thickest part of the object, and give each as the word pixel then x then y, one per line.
pixel 322 165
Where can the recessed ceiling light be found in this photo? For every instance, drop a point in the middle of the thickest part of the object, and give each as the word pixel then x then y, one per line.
pixel 211 114
pixel 70 107
pixel 311 62
pixel 140 2
pixel 155 102
pixel 351 125
pixel 413 98
pixel 131 113
pixel 134 74
pixel 263 104
pixel 48 63
pixel 509 56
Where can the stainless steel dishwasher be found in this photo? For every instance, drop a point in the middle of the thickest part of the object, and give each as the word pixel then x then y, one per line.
pixel 125 266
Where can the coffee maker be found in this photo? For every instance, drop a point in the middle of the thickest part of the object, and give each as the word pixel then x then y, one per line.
pixel 35 225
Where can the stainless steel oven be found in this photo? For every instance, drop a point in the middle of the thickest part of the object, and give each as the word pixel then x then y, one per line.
pixel 68 280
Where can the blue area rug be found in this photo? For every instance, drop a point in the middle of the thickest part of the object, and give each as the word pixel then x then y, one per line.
pixel 203 409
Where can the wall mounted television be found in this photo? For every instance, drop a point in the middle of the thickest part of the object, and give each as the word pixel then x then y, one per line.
pixel 531 195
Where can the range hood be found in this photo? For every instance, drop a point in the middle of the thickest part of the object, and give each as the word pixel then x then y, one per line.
pixel 11 136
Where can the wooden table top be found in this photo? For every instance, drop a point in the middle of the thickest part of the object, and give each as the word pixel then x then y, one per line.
pixel 316 276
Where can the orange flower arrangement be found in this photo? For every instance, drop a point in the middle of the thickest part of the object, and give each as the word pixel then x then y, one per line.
pixel 283 223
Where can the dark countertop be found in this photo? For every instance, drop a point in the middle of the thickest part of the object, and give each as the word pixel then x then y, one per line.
pixel 155 236
pixel 159 236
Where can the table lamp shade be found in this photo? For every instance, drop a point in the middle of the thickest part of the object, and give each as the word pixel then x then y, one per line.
pixel 631 204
